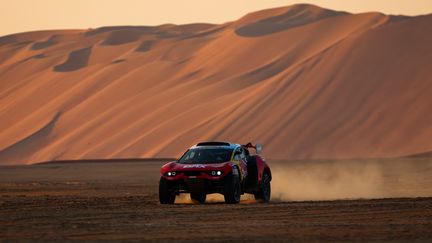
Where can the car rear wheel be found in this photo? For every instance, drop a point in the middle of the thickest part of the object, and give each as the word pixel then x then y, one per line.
pixel 232 189
pixel 198 197
pixel 264 193
pixel 166 193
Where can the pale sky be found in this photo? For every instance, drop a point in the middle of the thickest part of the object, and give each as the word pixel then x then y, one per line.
pixel 27 15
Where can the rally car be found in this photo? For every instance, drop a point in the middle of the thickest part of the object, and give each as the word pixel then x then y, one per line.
pixel 216 167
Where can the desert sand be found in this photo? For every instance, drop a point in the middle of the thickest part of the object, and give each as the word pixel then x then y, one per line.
pixel 361 200
pixel 340 101
pixel 307 82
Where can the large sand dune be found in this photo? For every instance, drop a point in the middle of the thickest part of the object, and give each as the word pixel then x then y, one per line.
pixel 304 81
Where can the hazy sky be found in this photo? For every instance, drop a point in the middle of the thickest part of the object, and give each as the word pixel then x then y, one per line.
pixel 27 15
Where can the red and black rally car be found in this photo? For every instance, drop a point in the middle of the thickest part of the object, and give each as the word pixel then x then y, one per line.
pixel 216 167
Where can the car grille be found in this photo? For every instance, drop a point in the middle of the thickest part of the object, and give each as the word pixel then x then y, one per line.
pixel 192 173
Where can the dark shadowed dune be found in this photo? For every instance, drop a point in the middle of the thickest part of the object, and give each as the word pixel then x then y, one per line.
pixel 121 37
pixel 110 29
pixel 44 44
pixel 7 39
pixel 76 60
pixel 145 46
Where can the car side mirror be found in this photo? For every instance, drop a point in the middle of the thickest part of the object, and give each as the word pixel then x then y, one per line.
pixel 258 148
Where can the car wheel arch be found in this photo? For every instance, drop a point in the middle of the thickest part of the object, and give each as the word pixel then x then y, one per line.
pixel 268 172
pixel 235 170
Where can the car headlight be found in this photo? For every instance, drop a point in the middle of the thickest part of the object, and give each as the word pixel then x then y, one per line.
pixel 171 173
pixel 216 173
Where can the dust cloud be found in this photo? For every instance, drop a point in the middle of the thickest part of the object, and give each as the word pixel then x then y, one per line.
pixel 338 180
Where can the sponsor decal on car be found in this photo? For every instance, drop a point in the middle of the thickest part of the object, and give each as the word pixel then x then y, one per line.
pixel 194 166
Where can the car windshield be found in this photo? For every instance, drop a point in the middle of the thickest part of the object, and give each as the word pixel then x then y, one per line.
pixel 206 156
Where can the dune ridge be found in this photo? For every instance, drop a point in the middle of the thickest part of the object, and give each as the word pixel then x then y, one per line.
pixel 306 82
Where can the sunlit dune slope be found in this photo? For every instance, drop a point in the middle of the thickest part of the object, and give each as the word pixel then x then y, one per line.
pixel 304 81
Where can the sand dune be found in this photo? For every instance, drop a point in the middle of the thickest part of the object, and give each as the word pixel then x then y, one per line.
pixel 45 43
pixel 279 19
pixel 77 59
pixel 306 82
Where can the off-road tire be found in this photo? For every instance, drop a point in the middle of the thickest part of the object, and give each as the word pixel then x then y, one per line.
pixel 232 188
pixel 264 192
pixel 166 194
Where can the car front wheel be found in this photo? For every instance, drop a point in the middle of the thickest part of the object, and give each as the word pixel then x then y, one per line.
pixel 166 194
pixel 232 189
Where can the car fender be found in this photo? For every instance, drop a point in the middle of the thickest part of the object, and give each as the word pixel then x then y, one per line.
pixel 262 167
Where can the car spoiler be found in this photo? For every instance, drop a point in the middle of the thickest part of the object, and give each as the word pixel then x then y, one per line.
pixel 257 147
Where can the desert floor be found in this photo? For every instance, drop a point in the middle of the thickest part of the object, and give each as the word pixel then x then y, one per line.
pixel 119 201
